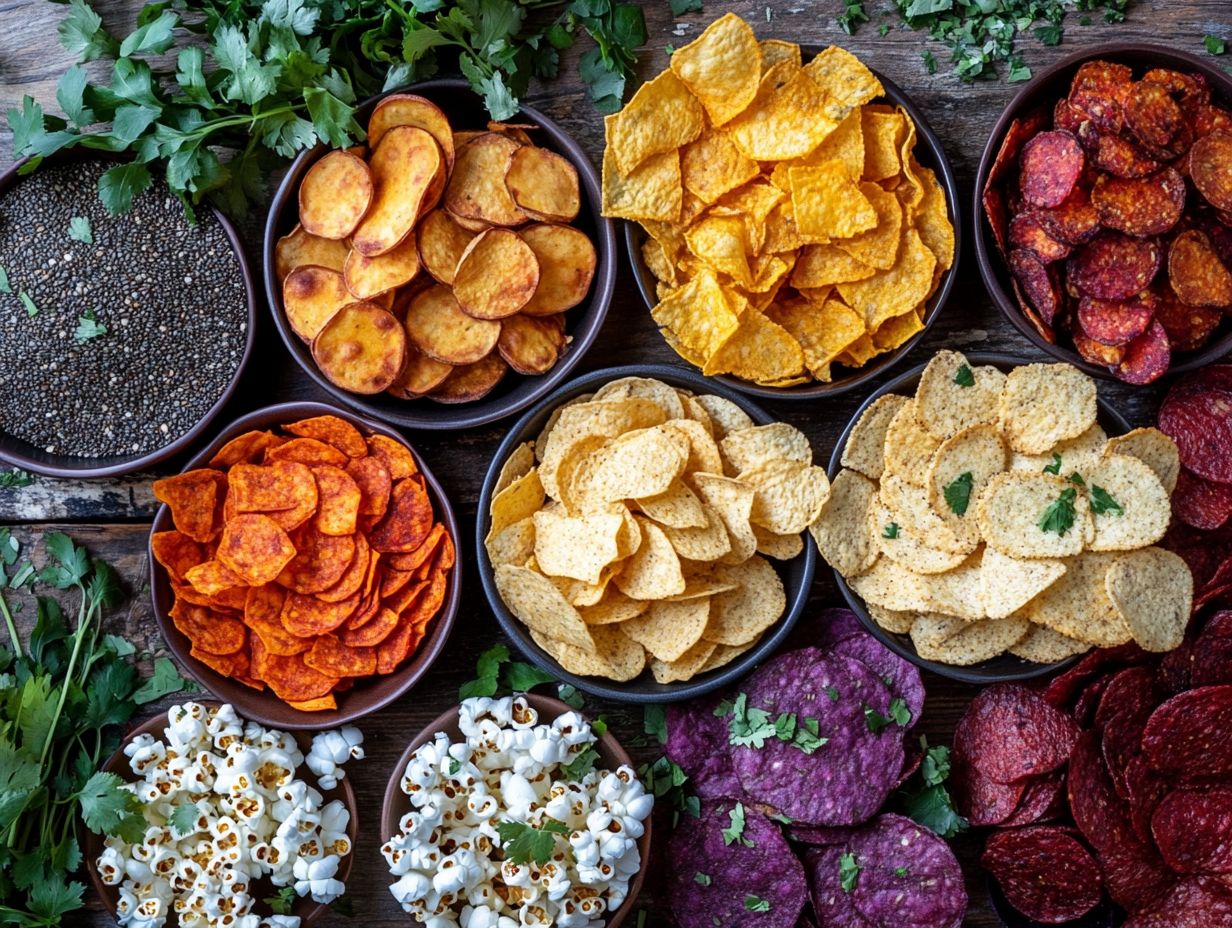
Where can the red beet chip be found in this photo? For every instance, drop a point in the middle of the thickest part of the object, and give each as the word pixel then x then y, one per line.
pixel 1120 745
pixel 1146 206
pixel 1067 116
pixel 1020 131
pixel 1147 357
pixel 1151 114
pixel 1027 231
pixel 1196 272
pixel 1100 814
pixel 1136 877
pixel 1045 873
pixel 1113 266
pixel 1049 168
pixel 1197 415
pixel 1192 830
pixel 1109 356
pixel 1120 158
pixel 1197 903
pixel 1175 673
pixel 1189 737
pixel 1205 119
pixel 1129 692
pixel 1188 88
pixel 1098 90
pixel 1201 503
pixel 1037 322
pixel 1210 167
pixel 1115 323
pixel 1039 283
pixel 1009 733
pixel 1146 791
pixel 997 214
pixel 1212 653
pixel 1074 221
pixel 1042 800
pixel 1088 701
pixel 1188 327
pixel 982 801
pixel 1064 689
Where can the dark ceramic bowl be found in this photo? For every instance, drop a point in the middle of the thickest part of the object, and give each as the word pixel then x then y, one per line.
pixel 611 756
pixel 797 574
pixel 23 454
pixel 1045 89
pixel 309 912
pixel 930 154
pixel 516 391
pixel 1001 669
pixel 367 695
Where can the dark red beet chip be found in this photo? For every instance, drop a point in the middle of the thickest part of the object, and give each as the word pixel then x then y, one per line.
pixel 1147 357
pixel 1039 283
pixel 1068 117
pixel 1189 737
pixel 1129 692
pixel 1010 733
pixel 1204 902
pixel 1205 119
pixel 1151 114
pixel 1120 158
pixel 1043 799
pixel 1136 877
pixel 1074 221
pixel 1027 231
pixel 1045 873
pixel 1146 206
pixel 1063 690
pixel 1201 503
pixel 1212 663
pixel 1188 327
pixel 980 800
pixel 1116 323
pixel 1049 168
pixel 1098 90
pixel 1090 350
pixel 1100 814
pixel 1113 266
pixel 1193 830
pixel 1197 415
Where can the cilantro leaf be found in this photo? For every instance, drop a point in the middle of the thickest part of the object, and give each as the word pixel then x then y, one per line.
pixel 108 808
pixel 832 692
pixel 581 765
pixel 754 903
pixel 853 15
pixel 27 301
pixel 930 62
pixel 79 230
pixel 69 562
pixel 1059 515
pixel 570 696
pixel 1214 44
pixel 88 327
pixel 487 673
pixel 283 901
pixel 152 38
pixel 958 493
pixel 1049 34
pixel 5 286
pixel 899 712
pixel 523 843
pixel 964 376
pixel 165 680
pixel 119 186
pixel 900 871
pixel 735 830
pixel 1055 467
pixel 654 721
pixel 1102 502
pixel 848 871
pixel 701 879
pixel 875 720
pixel 680 7
pixel 82 33
pixel 520 677
pixel 53 897
pixel 890 531
pixel 933 808
pixel 184 820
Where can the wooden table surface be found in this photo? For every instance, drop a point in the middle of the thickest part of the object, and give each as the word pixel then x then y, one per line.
pixel 112 516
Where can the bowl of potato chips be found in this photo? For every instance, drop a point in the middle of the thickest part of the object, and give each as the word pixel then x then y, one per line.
pixel 449 272
pixel 992 519
pixel 812 193
pixel 640 533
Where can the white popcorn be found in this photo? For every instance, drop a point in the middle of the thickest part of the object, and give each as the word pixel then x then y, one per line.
pixel 509 767
pixel 255 819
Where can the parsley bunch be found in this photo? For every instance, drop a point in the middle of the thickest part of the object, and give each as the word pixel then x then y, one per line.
pixel 250 83
pixel 64 694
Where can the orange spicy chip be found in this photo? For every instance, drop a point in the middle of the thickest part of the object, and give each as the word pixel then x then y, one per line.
pixel 330 656
pixel 177 552
pixel 193 498
pixel 320 560
pixel 372 477
pixel 397 456
pixel 325 703
pixel 208 630
pixel 372 632
pixel 307 616
pixel 228 665
pixel 307 451
pixel 231 598
pixel 398 646
pixel 394 580
pixel 245 448
pixel 263 616
pixel 427 548
pixel 338 500
pixel 273 487
pixel 446 557
pixel 288 675
pixel 408 521
pixel 424 608
pixel 401 601
pixel 212 577
pixel 254 547
pixel 356 572
pixel 332 431
pixel 368 608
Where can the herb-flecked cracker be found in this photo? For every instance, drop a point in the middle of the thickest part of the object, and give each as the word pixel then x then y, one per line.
pixel 1043 404
pixel 953 395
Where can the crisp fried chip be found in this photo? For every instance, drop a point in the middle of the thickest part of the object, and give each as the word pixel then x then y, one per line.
pixel 720 243
pixel 741 615
pixel 540 606
pixel 909 449
pixel 775 50
pixel 520 500
pixel 843 530
pixel 898 623
pixel 675 507
pixel 687 666
pixel 299 248
pixel 441 242
pixel 476 191
pixel 543 184
pixel 748 447
pixel 1043 404
pixel 725 416
pixel 436 325
pixel 1077 454
pixel 654 191
pixel 361 348
pixel 1012 511
pixel 615 655
pixel 396 456
pixel 1153 448
pixel 359 570
pixel 407 521
pixel 635 466
pixel 712 165
pixel 722 68
pixel 263 616
pixel 661 117
pixel 865 448
pixel 896 331
pixel 208 630
pixel 1009 583
pixel 828 204
pixel 912 549
pixel 496 275
pixel 707 543
pixel 824 330
pixel 469 382
pixel 308 451
pixel 307 616
pixel 514 544
pixel 779 547
pixel 1129 505
pixel 653 572
pixel 320 560
pixel 908 506
pixel 969 644
pixel 255 548
pixel 760 350
pixel 699 315
pixel 1078 605
pixel 288 676
pixel 334 195
pixel 567 261
pixel 193 498
pixel 889 585
pixel 931 218
pixel 339 495
pixel 580 546
pixel 329 656
pixel 333 431
pixel 848 82
pixel 311 296
pixel 247 448
pixel 897 291
pixel 883 135
pixel 956 592
pixel 785 119
pixel 1152 589
pixel 961 467
pixel 405 109
pixel 176 552
pixel 824 265
pixel 1044 646
pixel 420 374
pixel 594 419
pixel 788 495
pixel 669 629
pixel 404 166
pixel 877 247
pixel 946 403
pixel 367 278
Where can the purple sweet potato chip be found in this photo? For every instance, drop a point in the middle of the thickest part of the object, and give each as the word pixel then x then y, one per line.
pixel 697 741
pixel 902 677
pixel 908 876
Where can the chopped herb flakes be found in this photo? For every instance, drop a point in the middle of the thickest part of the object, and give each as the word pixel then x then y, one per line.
pixel 753 727
pixel 1055 467
pixel 964 376
pixel 88 327
pixel 958 493
pixel 702 879
pixel 756 903
pixel 848 871
pixel 79 230
pixel 735 831
pixel 28 302
pixel 1102 502
pixel 1214 45
pixel 890 531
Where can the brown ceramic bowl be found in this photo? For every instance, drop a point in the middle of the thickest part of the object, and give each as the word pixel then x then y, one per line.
pixel 20 453
pixel 611 756
pixel 308 911
pixel 465 111
pixel 1045 89
pixel 931 154
pixel 367 695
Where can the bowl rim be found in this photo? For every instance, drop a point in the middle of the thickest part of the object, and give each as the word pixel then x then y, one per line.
pixel 989 261
pixel 634 236
pixel 252 703
pixel 715 679
pixel 430 415
pixel 1107 413
pixel 611 752
pixel 92 844
pixel 120 465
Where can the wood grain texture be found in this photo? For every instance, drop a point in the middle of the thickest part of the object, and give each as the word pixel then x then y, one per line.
pixel 111 516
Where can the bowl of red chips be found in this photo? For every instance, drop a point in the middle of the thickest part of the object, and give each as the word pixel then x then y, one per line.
pixel 303 566
pixel 1104 212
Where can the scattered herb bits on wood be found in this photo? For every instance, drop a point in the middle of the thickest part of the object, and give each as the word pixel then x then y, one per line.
pixel 117 334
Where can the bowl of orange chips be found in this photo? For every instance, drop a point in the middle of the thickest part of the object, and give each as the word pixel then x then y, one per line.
pixel 449 272
pixel 303 566
pixel 793 228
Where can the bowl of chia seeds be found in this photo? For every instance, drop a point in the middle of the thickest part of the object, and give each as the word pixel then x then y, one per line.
pixel 121 337
pixel 514 392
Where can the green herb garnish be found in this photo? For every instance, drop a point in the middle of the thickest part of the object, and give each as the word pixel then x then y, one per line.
pixel 184 819
pixel 680 7
pixel 1102 501
pixel 1055 467
pixel 848 871
pixel 79 230
pixel 756 903
pixel 964 376
pixel 735 831
pixel 5 286
pixel 15 478
pixel 1214 44
pixel 494 672
pixel 875 720
pixel 930 804
pixel 88 327
pixel 890 531
pixel 930 63
pixel 654 722
pixel 899 712
pixel 753 727
pixel 958 493
pixel 900 871
pixel 701 879
pixel 665 780
pixel 832 692
pixel 523 843
pixel 27 301
pixel 852 16
pixel 582 764
pixel 283 901
pixel 1059 515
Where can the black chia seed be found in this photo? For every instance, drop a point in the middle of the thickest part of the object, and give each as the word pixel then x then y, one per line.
pixel 170 294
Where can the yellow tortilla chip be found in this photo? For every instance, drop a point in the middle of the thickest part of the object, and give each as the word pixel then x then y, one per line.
pixel 719 242
pixel 652 191
pixel 713 165
pixel 760 350
pixel 897 291
pixel 784 120
pixel 825 265
pixel 824 330
pixel 895 332
pixel 877 247
pixel 828 204
pixel 931 218
pixel 722 67
pixel 775 50
pixel 883 137
pixel 699 316
pixel 847 80
pixel 662 116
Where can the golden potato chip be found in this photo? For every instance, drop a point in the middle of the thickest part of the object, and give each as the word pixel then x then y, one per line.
pixel 913 550
pixel 656 391
pixel 519 132
pixel 1009 583
pixel 669 629
pixel 567 261
pixel 725 416
pixel 518 464
pixel 580 421
pixel 404 167
pixel 687 666
pixel 469 382
pixel 675 507
pixel 781 233
pixel 908 505
pixel 370 277
pixel 699 314
pixel 299 248
pixel 476 191
pixel 785 119
pixel 865 448
pixel 788 495
pixel 436 325
pixel 883 138
pixel 1152 589
pixel 846 79
pixel 515 544
pixel 361 348
pixel 896 291
pixel 1043 404
pixel 704 454
pixel 661 117
pixel 753 202
pixel 406 109
pixel 972 643
pixel 843 530
pixel 1129 505
pixel 719 241
pixel 540 606
pixel 543 184
pixel 712 165
pixel 311 296
pixel 1077 454
pixel 519 501
pixel 859 352
pixel 760 350
pixel 745 448
pixel 931 218
pixel 334 195
pixel 1153 448
pixel 828 204
pixel 908 449
pixel 496 275
pixel 1044 646
pixel 1033 515
pixel 824 265
pixel 722 68
pixel 659 264
pixel 420 374
pixel 576 546
pixel 653 191
pixel 953 395
pixel 1078 605
pixel 614 607
pixel 532 345
pixel 741 615
pixel 441 242
pixel 961 467
pixel 635 465
pixel 779 547
pixel 653 572
pixel 708 543
pixel 844 144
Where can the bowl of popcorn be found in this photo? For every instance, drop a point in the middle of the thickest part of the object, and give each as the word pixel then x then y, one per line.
pixel 516 811
pixel 231 823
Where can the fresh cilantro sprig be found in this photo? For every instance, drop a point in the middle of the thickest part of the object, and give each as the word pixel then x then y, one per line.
pixel 1103 502
pixel 1214 44
pixel 496 673
pixel 848 871
pixel 88 327
pixel 282 902
pixel 958 493
pixel 753 727
pixel 665 780
pixel 1058 516
pixel 964 376
pixel 890 531
pixel 926 800
pixel 734 832
pixel 899 715
pixel 524 843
